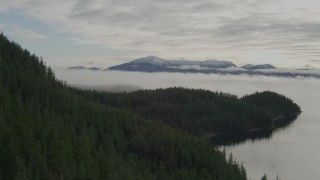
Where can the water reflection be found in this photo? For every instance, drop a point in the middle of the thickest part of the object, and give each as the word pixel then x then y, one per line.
pixel 236 138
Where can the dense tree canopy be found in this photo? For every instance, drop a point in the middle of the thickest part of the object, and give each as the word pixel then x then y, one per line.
pixel 276 105
pixel 49 130
pixel 200 112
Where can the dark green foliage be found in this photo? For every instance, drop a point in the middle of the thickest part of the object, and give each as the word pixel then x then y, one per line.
pixel 264 177
pixel 275 104
pixel 47 131
pixel 200 112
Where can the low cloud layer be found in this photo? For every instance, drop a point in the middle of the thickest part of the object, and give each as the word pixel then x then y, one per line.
pixel 234 84
pixel 185 28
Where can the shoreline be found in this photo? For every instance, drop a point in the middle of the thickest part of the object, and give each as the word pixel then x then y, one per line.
pixel 211 135
pixel 277 119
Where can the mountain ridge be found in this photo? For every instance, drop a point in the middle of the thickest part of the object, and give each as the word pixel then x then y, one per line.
pixel 83 67
pixel 158 64
pixel 259 66
pixel 181 64
pixel 152 64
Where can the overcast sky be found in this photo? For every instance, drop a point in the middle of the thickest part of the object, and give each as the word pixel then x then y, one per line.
pixel 107 32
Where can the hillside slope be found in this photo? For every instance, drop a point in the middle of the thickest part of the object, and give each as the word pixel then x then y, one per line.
pixel 47 131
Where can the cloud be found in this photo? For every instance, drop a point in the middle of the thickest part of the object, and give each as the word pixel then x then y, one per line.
pixel 18 31
pixel 181 27
pixel 268 32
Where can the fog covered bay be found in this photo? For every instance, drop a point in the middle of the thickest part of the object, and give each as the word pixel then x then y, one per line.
pixel 235 84
pixel 292 153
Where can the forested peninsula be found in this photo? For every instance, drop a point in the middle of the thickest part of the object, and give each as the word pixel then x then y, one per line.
pixel 49 130
pixel 202 112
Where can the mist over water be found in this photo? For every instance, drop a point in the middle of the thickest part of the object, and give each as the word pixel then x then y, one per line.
pixel 235 84
pixel 293 153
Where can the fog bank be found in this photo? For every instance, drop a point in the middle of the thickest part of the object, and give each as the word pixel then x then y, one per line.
pixel 234 84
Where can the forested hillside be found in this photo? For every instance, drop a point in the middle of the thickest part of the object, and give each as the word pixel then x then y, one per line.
pixel 49 132
pixel 276 105
pixel 201 112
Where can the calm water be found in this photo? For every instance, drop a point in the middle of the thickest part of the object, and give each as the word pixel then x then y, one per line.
pixel 293 153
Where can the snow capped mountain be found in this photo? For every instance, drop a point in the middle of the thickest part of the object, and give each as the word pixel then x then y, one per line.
pixel 154 60
pixel 157 64
pixel 150 60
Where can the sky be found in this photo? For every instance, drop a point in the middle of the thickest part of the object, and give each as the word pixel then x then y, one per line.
pixel 285 33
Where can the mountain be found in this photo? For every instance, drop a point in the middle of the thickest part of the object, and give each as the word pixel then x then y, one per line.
pixel 149 60
pixel 77 67
pixel 157 64
pixel 82 68
pixel 260 66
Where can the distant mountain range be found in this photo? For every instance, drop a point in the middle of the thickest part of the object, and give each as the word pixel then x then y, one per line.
pixel 82 67
pixel 260 66
pixel 157 64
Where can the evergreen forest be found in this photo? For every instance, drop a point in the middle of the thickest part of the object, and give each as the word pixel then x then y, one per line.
pixel 49 130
